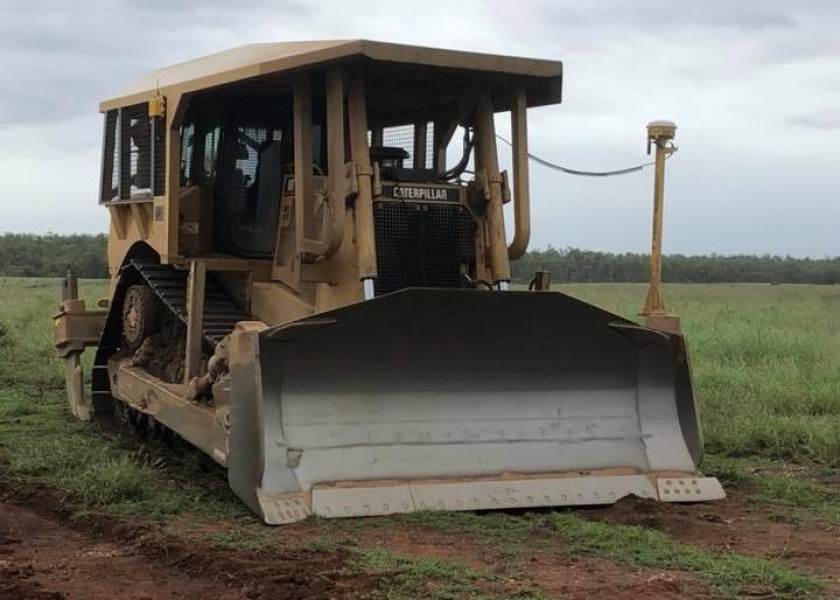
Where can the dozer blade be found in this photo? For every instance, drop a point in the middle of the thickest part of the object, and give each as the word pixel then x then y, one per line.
pixel 460 400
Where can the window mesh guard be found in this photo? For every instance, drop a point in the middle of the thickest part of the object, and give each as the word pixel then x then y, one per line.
pixel 402 136
pixel 133 154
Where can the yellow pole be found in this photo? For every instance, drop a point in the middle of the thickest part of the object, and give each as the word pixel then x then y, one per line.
pixel 487 160
pixel 360 153
pixel 521 200
pixel 660 134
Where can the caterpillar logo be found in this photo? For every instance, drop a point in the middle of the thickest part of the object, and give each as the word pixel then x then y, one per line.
pixel 413 192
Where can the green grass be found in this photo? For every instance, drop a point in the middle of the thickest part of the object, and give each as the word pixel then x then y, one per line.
pixel 407 578
pixel 246 539
pixel 771 483
pixel 404 577
pixel 727 573
pixel 40 444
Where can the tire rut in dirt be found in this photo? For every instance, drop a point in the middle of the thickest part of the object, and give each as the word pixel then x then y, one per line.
pixel 53 559
pixel 46 559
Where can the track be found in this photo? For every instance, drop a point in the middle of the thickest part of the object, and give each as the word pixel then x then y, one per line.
pixel 170 285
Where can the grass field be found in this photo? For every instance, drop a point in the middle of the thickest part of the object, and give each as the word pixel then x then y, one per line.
pixel 766 362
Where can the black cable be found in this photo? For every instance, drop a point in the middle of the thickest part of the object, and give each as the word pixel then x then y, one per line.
pixel 458 169
pixel 578 172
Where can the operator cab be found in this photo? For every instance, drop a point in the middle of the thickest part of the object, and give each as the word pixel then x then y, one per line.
pixel 237 151
pixel 271 165
pixel 237 184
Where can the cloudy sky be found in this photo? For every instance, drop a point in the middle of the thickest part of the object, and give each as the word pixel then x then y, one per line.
pixel 754 87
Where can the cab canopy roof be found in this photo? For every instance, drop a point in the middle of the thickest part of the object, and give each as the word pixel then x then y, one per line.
pixel 394 64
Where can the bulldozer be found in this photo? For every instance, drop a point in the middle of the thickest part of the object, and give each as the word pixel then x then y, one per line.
pixel 310 283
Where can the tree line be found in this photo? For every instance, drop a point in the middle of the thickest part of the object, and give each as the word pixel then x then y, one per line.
pixel 51 255
pixel 574 265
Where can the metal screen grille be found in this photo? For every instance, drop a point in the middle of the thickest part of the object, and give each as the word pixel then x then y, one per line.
pixel 135 152
pixel 140 169
pixel 430 145
pixel 402 136
pixel 158 158
pixel 421 245
pixel 110 159
pixel 187 151
pixel 248 142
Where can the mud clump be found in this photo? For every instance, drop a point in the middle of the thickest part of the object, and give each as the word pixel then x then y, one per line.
pixel 162 353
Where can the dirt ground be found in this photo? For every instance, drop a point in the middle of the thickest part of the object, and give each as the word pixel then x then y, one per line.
pixel 43 556
pixel 739 525
pixel 734 524
pixel 40 559
pixel 543 573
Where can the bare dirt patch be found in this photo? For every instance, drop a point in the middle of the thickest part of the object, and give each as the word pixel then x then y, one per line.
pixel 602 580
pixel 42 559
pixel 45 557
pixel 417 542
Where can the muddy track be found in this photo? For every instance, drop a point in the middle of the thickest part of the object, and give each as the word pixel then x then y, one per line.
pixel 42 559
pixel 45 557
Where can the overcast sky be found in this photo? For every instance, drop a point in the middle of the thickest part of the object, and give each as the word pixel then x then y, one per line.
pixel 754 87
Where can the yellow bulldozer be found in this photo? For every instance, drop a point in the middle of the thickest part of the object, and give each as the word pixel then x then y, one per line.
pixel 309 277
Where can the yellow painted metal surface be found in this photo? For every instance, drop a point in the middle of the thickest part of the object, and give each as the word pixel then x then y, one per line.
pixel 255 60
